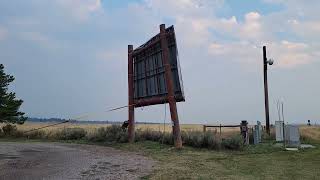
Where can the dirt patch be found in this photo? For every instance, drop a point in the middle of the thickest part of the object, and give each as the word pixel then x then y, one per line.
pixel 69 161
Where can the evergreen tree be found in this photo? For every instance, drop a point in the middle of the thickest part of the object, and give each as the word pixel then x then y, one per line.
pixel 9 105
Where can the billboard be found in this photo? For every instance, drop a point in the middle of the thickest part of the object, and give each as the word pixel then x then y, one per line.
pixel 149 79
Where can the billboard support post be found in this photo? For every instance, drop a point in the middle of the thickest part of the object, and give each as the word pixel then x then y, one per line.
pixel 170 88
pixel 130 95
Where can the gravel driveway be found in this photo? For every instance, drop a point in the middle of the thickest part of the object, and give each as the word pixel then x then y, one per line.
pixel 37 160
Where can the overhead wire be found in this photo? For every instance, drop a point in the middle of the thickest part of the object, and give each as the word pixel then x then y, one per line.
pixel 47 126
pixel 85 116
pixel 77 118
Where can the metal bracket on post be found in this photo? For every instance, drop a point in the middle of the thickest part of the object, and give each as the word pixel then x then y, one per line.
pixel 170 88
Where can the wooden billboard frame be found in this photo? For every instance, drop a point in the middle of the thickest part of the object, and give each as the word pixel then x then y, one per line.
pixel 170 97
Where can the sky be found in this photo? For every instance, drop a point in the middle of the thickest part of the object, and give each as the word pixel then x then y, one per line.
pixel 69 57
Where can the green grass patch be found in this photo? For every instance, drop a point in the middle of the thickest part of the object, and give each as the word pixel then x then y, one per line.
pixel 264 161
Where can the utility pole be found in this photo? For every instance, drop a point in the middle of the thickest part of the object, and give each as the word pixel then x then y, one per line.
pixel 266 96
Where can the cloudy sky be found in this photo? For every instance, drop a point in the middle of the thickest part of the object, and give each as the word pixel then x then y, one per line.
pixel 69 57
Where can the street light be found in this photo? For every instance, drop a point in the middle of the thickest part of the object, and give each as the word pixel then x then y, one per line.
pixel 266 97
pixel 270 61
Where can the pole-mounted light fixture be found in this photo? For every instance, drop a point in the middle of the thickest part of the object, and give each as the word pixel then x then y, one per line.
pixel 270 61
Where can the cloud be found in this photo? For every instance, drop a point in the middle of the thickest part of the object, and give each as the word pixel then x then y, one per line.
pixel 286 54
pixel 198 27
pixel 252 27
pixel 186 8
pixel 241 52
pixel 291 54
pixel 3 33
pixel 112 55
pixel 192 18
pixel 210 44
pixel 39 39
pixel 81 9
pixel 307 29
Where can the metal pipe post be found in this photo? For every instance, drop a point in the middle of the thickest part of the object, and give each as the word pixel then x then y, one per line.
pixel 170 88
pixel 266 96
pixel 130 96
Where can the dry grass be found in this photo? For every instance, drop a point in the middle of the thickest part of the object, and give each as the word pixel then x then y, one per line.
pixel 310 132
pixel 154 127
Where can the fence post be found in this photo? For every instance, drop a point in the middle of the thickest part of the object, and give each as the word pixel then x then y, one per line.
pixel 204 128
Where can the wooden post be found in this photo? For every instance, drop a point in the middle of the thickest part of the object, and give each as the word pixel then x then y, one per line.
pixel 204 128
pixel 130 96
pixel 170 88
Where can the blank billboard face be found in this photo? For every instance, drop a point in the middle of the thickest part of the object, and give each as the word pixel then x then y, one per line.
pixel 149 70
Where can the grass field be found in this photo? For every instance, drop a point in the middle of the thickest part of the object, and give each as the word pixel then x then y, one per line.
pixel 155 127
pixel 256 162
pixel 90 127
pixel 264 161
pixel 310 132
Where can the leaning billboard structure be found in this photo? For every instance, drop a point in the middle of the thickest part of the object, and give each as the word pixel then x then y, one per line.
pixel 154 77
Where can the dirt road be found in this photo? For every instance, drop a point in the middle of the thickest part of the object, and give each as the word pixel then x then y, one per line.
pixel 37 160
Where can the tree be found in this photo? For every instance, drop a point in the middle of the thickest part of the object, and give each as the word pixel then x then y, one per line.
pixel 9 105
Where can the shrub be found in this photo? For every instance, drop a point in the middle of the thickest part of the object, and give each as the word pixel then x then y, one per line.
pixel 112 133
pixel 38 134
pixel 9 130
pixel 307 139
pixel 251 136
pixel 234 143
pixel 212 141
pixel 167 138
pixel 193 138
pixel 267 137
pixel 201 140
pixel 70 134
pixel 148 135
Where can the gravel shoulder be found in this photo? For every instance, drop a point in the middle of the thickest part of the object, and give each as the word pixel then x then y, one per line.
pixel 39 160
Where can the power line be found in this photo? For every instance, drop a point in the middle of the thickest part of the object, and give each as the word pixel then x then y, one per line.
pixel 79 117
pixel 46 126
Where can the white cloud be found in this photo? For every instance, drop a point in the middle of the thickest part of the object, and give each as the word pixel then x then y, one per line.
pixel 195 21
pixel 186 8
pixel 81 9
pixel 308 29
pixel 115 55
pixel 252 27
pixel 3 33
pixel 242 52
pixel 286 54
pixel 35 36
pixel 294 46
pixel 291 54
pixel 41 39
pixel 193 18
